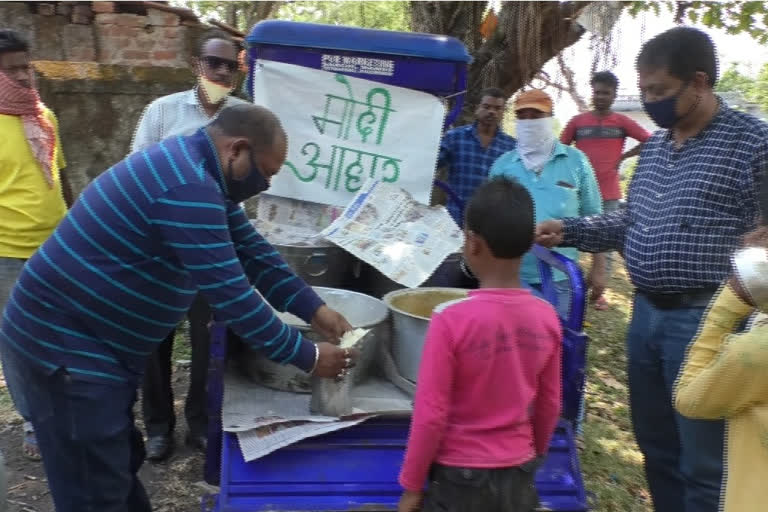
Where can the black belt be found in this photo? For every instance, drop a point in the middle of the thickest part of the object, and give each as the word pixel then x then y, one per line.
pixel 698 298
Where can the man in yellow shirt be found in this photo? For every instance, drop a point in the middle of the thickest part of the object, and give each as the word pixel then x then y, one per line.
pixel 34 194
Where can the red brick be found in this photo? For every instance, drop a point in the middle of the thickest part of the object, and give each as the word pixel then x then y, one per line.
pixel 165 55
pixel 46 9
pixel 135 55
pixel 161 18
pixel 103 6
pixel 63 9
pixel 81 54
pixel 118 31
pixel 146 43
pixel 130 20
pixel 105 19
pixel 171 33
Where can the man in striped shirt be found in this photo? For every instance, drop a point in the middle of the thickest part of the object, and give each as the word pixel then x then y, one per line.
pixel 119 273
pixel 691 200
pixel 183 113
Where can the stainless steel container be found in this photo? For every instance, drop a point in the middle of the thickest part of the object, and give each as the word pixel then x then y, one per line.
pixel 411 310
pixel 360 310
pixel 751 267
pixel 319 265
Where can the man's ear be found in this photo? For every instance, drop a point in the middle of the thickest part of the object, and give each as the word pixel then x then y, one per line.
pixel 701 81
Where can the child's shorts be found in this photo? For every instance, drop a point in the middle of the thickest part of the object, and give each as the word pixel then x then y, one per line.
pixel 453 489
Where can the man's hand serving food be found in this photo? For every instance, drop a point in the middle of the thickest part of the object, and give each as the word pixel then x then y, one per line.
pixel 332 362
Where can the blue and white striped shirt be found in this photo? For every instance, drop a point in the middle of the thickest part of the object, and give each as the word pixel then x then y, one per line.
pixel 687 207
pixel 122 268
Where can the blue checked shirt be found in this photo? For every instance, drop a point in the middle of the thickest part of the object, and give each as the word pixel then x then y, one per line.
pixel 688 207
pixel 468 162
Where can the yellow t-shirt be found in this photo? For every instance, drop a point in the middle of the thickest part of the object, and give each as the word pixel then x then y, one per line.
pixel 29 209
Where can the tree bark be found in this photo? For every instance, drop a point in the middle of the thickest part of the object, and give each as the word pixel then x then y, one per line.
pixel 527 36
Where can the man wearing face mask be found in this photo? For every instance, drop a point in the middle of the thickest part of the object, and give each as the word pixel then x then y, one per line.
pixel 183 113
pixel 559 179
pixel 119 273
pixel 691 199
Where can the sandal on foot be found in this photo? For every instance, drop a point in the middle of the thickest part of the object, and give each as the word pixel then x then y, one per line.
pixel 29 447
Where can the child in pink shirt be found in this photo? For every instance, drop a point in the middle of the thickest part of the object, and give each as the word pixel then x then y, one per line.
pixel 489 391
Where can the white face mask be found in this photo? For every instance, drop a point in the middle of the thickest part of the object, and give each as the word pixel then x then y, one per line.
pixel 535 141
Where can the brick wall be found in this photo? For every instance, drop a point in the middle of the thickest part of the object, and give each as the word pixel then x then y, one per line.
pixel 102 32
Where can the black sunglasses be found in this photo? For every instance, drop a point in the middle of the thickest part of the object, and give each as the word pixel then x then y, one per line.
pixel 216 62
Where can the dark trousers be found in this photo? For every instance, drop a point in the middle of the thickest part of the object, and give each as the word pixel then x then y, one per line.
pixel 157 389
pixel 91 449
pixel 683 457
pixel 454 489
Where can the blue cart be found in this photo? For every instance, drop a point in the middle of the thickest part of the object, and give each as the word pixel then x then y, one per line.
pixel 357 468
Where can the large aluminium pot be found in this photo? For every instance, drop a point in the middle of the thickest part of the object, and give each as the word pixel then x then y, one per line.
pixel 318 265
pixel 360 310
pixel 411 310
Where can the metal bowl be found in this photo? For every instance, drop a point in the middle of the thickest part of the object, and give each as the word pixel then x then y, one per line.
pixel 362 311
pixel 751 268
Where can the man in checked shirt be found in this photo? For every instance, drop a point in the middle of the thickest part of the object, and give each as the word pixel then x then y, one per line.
pixel 692 198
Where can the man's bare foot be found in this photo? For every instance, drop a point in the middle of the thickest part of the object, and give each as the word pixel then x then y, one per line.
pixel 29 447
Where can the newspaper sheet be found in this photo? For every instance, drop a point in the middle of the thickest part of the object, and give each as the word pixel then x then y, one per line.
pixel 266 420
pixel 285 221
pixel 402 238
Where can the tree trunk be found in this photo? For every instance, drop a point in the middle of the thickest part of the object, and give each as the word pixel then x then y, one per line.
pixel 527 36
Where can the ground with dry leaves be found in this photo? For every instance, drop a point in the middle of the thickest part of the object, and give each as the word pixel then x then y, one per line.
pixel 610 461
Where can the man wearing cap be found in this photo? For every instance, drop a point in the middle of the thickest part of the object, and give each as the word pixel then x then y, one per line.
pixel 560 180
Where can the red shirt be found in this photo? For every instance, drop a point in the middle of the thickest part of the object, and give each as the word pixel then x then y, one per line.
pixel 489 388
pixel 602 140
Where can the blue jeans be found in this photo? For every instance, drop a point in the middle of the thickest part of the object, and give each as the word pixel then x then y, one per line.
pixel 10 269
pixel 91 449
pixel 683 457
pixel 610 205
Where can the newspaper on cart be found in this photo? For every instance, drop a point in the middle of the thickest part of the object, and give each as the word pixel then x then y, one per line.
pixel 266 420
pixel 400 237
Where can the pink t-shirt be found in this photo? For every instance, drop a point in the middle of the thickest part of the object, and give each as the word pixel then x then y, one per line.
pixel 489 391
pixel 602 140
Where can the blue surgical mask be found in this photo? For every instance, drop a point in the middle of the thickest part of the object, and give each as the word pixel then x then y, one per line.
pixel 238 190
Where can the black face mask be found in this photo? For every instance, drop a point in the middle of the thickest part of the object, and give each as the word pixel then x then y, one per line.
pixel 238 190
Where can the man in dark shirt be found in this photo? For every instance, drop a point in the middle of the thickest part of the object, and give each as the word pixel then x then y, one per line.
pixel 691 200
pixel 117 275
pixel 468 152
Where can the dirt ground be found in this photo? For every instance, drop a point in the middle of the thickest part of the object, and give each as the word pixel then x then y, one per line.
pixel 174 486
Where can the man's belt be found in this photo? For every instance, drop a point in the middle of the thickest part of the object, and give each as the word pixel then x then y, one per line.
pixel 698 298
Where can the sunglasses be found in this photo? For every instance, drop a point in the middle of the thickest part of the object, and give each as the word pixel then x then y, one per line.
pixel 216 62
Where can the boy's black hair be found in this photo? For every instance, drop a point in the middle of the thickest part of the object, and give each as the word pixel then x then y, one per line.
pixel 605 77
pixel 213 33
pixel 682 51
pixel 12 41
pixel 501 212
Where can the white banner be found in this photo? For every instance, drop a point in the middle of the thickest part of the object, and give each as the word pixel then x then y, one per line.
pixel 343 131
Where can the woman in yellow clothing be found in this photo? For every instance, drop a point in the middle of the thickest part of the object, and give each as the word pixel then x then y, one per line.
pixel 725 375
